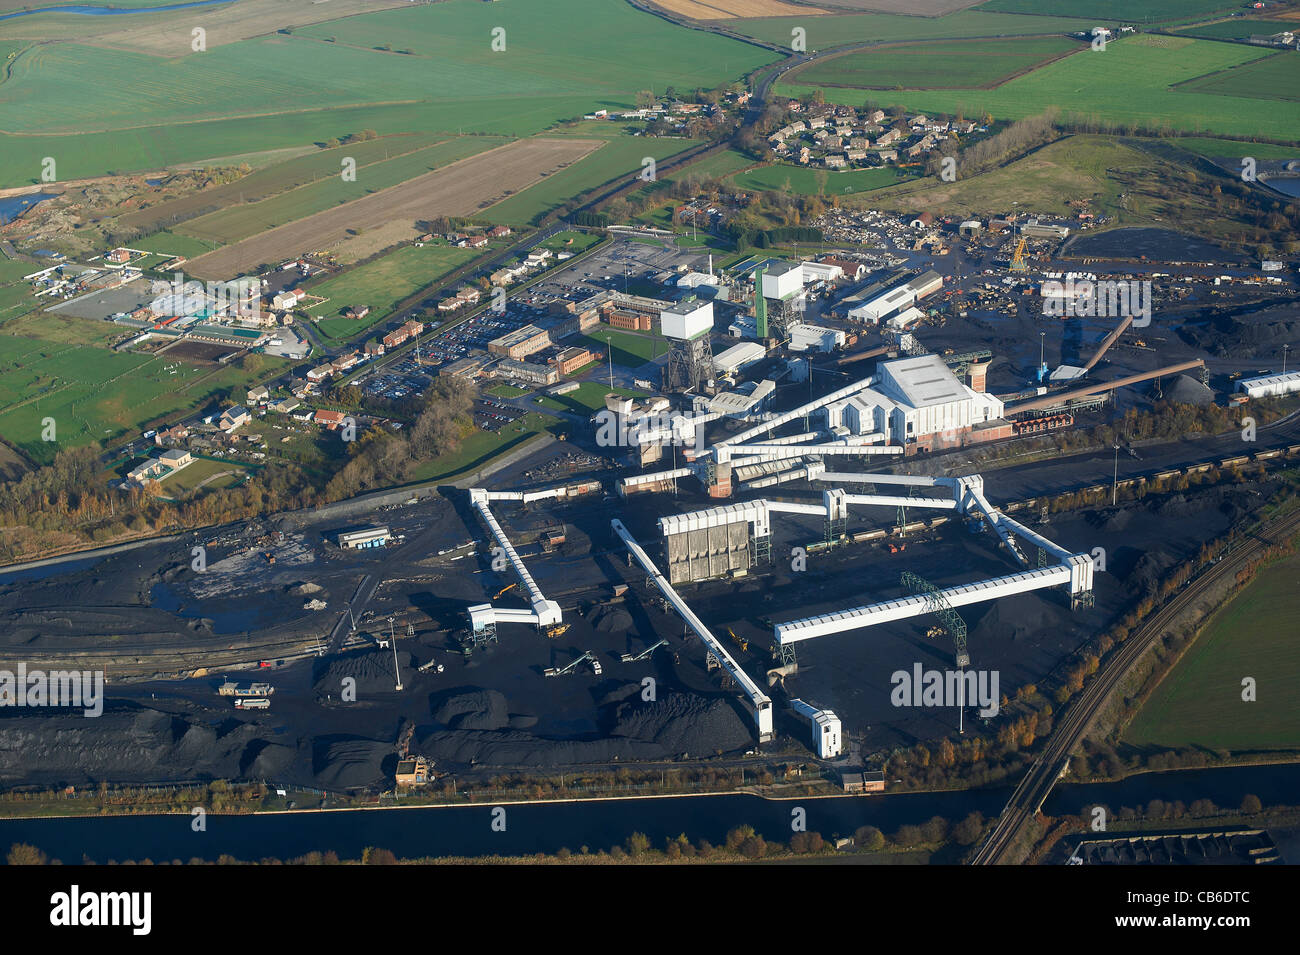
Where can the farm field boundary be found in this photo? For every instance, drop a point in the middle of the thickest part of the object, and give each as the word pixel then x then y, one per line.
pixel 464 188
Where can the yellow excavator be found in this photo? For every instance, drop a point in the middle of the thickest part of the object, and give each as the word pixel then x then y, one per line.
pixel 743 644
pixel 505 590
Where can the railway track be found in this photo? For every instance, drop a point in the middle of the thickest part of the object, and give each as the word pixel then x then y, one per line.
pixel 1078 716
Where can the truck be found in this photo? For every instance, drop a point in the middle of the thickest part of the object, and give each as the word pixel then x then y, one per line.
pixel 252 703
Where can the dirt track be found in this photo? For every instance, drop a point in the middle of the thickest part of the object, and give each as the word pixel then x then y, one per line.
pixel 463 188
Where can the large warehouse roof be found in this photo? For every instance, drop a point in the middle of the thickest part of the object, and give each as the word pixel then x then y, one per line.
pixel 924 380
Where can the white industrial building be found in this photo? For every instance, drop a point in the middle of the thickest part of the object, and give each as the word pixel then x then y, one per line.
pixel 882 306
pixel 1267 386
pixel 821 272
pixel 695 279
pixel 826 733
pixel 686 320
pixel 905 319
pixel 912 398
pixel 806 337
pixel 738 357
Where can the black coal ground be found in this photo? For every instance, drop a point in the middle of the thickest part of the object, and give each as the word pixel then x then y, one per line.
pixel 497 711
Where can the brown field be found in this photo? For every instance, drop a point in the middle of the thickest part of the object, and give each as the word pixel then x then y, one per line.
pixel 261 184
pixel 736 9
pixel 464 188
pixel 231 23
pixel 915 8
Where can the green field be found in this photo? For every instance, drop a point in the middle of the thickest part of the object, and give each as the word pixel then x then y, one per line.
pixel 574 242
pixel 1213 148
pixel 187 480
pixel 382 284
pixel 174 243
pixel 825 32
pixel 953 64
pixel 1275 77
pixel 94 394
pixel 550 52
pixel 1121 11
pixel 818 182
pixel 505 391
pixel 15 294
pixel 480 447
pixel 717 166
pixel 240 222
pixel 1127 84
pixel 82 155
pixel 1199 703
pixel 619 157
pixel 630 349
pixel 587 399
pixel 1237 28
pixel 563 58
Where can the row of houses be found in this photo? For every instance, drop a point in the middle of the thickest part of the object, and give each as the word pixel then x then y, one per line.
pixel 840 141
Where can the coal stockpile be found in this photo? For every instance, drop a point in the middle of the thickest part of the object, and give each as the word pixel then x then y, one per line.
pixel 371 669
pixel 680 724
pixel 611 619
pixel 683 723
pixel 1016 618
pixel 349 762
pixel 129 744
pixel 1160 245
pixel 479 710
pixel 1259 333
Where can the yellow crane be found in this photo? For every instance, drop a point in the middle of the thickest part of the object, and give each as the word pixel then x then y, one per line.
pixel 1018 259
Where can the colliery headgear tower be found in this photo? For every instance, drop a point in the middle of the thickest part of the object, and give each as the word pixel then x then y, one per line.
pixel 689 326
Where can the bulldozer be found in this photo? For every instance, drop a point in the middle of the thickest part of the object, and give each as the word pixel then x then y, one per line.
pixel 738 641
pixel 559 630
